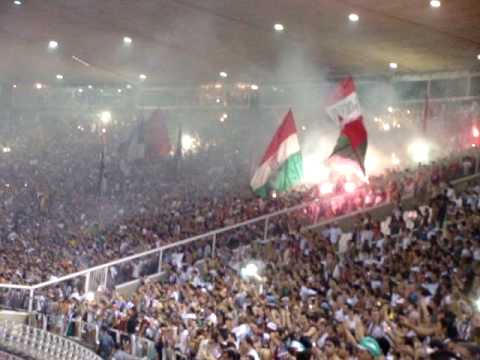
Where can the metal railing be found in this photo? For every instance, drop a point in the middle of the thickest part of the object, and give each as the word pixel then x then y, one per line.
pixel 88 333
pixel 150 263
pixel 40 344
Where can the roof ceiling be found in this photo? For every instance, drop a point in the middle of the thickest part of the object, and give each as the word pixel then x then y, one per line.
pixel 190 41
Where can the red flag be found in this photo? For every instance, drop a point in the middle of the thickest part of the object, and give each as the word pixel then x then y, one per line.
pixel 156 136
pixel 345 109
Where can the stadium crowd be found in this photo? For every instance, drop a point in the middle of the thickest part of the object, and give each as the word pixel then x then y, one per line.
pixel 55 223
pixel 406 287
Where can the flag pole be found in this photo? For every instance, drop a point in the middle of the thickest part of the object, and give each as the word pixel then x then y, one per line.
pixel 102 167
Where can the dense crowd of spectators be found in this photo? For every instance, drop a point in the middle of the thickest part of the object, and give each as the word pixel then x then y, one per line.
pixel 55 223
pixel 402 287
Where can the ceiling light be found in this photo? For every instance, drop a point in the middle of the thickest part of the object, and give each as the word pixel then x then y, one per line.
pixel 90 87
pixel 393 66
pixel 353 17
pixel 14 86
pixel 435 3
pixel 218 101
pixel 52 44
pixel 127 40
pixel 223 74
pixel 390 109
pixel 218 86
pixel 119 91
pixel 38 86
pixel 254 87
pixel 142 77
pixel 478 57
pixel 17 2
pixel 59 77
pixel 128 86
pixel 80 90
pixel 278 27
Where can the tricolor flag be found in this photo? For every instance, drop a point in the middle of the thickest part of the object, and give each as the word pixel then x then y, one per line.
pixel 281 167
pixel 345 109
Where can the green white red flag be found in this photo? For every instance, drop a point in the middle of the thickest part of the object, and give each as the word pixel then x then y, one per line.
pixel 281 167
pixel 344 108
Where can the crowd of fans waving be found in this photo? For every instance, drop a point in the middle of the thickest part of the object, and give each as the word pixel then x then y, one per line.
pixel 402 288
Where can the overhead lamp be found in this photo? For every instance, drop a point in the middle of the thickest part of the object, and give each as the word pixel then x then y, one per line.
pixel 52 44
pixel 119 91
pixel 393 66
pixel 223 74
pixel 353 17
pixel 14 86
pixel 390 109
pixel 59 77
pixel 279 27
pixel 38 86
pixel 80 90
pixel 90 87
pixel 254 87
pixel 478 57
pixel 218 86
pixel 218 101
pixel 128 86
pixel 17 2
pixel 127 40
pixel 142 77
pixel 435 3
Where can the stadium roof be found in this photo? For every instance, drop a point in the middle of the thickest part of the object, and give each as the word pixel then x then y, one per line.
pixel 192 41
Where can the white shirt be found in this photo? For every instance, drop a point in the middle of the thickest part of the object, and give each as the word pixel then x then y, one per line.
pixel 335 234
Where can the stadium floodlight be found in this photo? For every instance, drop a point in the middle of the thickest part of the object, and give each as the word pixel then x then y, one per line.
pixel 52 44
pixel 105 117
pixel 353 17
pixel 188 142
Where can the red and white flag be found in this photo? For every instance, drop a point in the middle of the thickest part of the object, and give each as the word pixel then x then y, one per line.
pixel 345 109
